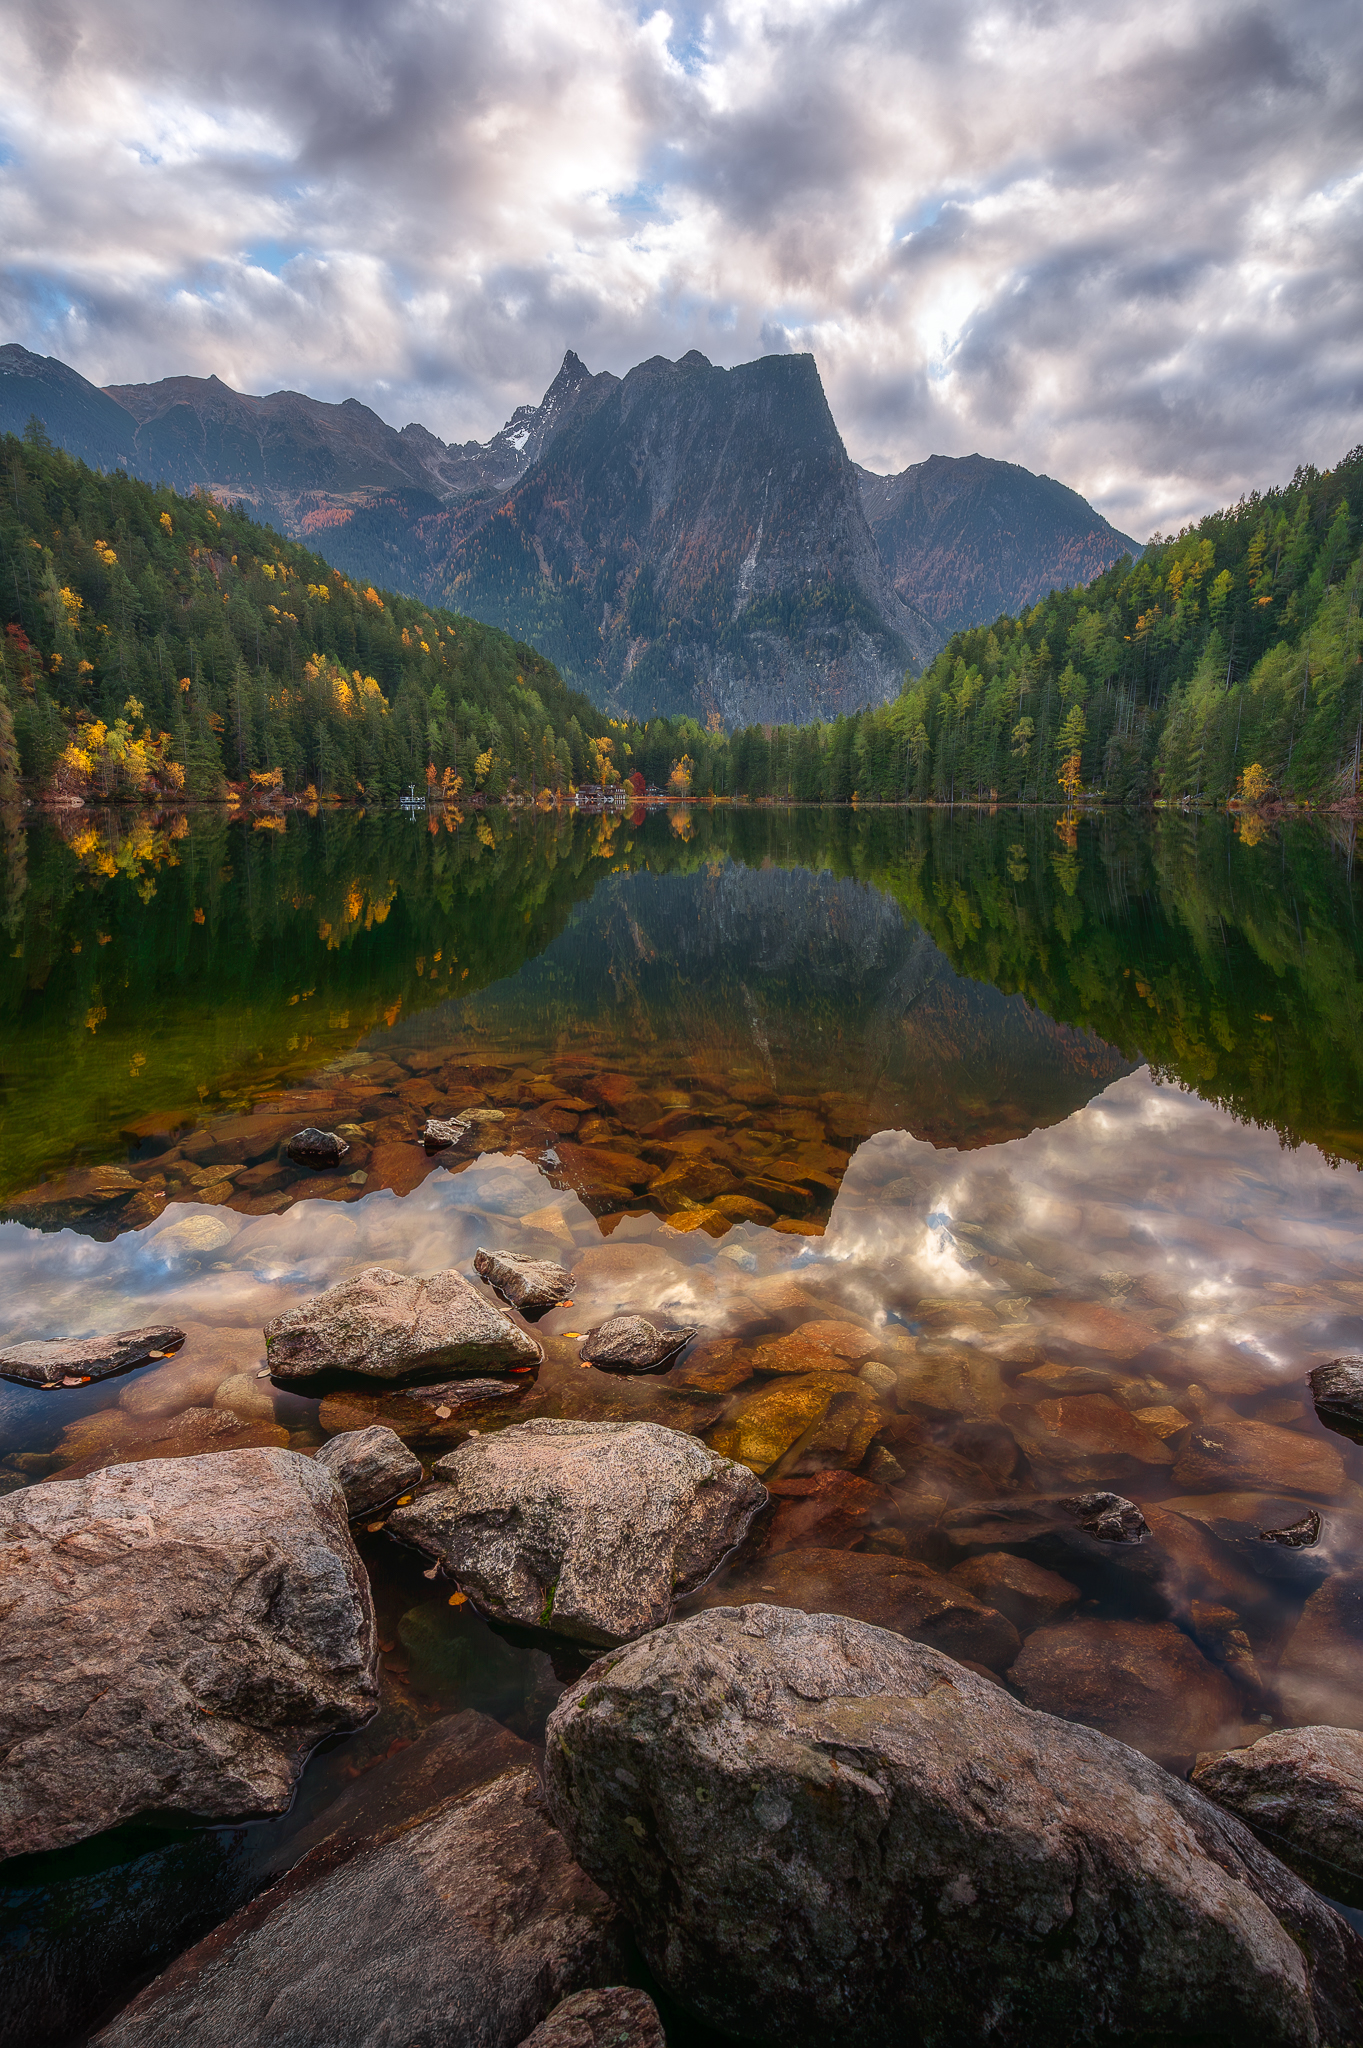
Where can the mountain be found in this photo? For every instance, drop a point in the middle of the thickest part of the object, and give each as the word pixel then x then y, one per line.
pixel 967 538
pixel 692 539
pixel 79 417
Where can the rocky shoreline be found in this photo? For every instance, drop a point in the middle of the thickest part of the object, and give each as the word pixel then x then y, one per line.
pixel 810 1776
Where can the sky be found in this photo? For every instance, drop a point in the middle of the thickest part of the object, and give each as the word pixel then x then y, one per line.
pixel 1121 244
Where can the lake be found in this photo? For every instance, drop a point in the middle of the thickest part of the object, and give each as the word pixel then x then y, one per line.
pixel 1000 1160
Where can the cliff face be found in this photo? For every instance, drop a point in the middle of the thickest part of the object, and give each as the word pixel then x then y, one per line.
pixel 692 539
pixel 967 538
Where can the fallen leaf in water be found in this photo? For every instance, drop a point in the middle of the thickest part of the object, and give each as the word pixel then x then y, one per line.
pixel 444 1413
pixel 433 1570
pixel 69 1381
pixel 373 1526
pixel 386 1646
pixel 404 1500
pixel 458 1599
pixel 156 1354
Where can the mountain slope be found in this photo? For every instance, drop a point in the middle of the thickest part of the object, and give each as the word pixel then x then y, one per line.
pixel 967 538
pixel 78 416
pixel 692 540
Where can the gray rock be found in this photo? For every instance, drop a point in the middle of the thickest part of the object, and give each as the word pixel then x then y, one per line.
pixel 1302 1790
pixel 591 1529
pixel 1337 1390
pixel 467 1927
pixel 532 1284
pixel 312 1147
pixel 441 1133
pixel 634 1344
pixel 178 1635
pixel 49 1361
pixel 824 1835
pixel 620 2017
pixel 370 1466
pixel 390 1327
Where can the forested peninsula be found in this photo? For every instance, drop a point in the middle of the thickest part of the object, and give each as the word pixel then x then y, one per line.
pixel 159 645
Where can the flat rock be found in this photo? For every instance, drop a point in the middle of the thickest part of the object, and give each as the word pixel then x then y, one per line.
pixel 312 1147
pixel 1143 1682
pixel 528 1284
pixel 1320 1675
pixel 1301 1789
pixel 49 1361
pixel 816 1346
pixel 1026 1593
pixel 1234 1453
pixel 825 1510
pixel 591 1529
pixel 619 2017
pixel 634 1344
pixel 823 1833
pixel 178 1636
pixel 1095 1426
pixel 391 1327
pixel 1337 1390
pixel 469 1926
pixel 813 1423
pixel 370 1466
pixel 891 1592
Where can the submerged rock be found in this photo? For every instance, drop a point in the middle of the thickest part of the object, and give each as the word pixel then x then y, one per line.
pixel 1302 1790
pixel 442 1133
pixel 811 1424
pixel 634 1344
pixel 390 1327
pixel 878 1587
pixel 1320 1675
pixel 370 1466
pixel 620 2017
pixel 1337 1390
pixel 1234 1453
pixel 312 1147
pixel 1027 1593
pixel 824 1834
pixel 48 1362
pixel 467 1926
pixel 591 1529
pixel 178 1636
pixel 1143 1682
pixel 528 1284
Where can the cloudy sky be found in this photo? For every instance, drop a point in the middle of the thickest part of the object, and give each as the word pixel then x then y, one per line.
pixel 1119 241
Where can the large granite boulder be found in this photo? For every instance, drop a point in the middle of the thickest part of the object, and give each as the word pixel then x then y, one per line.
pixel 178 1636
pixel 391 1327
pixel 469 1926
pixel 824 1834
pixel 591 1529
pixel 370 1466
pixel 55 1361
pixel 1302 1790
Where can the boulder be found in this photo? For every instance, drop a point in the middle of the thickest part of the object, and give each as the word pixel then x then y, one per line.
pixel 619 2017
pixel 370 1466
pixel 811 1424
pixel 1026 1593
pixel 528 1284
pixel 1143 1682
pixel 1337 1390
pixel 591 1529
pixel 467 1926
pixel 634 1344
pixel 1301 1789
pixel 178 1636
pixel 1320 1675
pixel 825 1834
pixel 890 1591
pixel 50 1361
pixel 390 1327
pixel 312 1147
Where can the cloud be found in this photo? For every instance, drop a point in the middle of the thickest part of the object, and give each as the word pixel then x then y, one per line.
pixel 1118 243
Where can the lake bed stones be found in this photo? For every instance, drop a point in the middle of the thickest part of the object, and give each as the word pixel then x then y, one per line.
pixel 50 1361
pixel 1141 1682
pixel 531 1285
pixel 178 1637
pixel 392 1327
pixel 634 1344
pixel 370 1466
pixel 591 1529
pixel 818 1829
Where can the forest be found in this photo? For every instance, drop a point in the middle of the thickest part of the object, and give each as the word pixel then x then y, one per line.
pixel 158 644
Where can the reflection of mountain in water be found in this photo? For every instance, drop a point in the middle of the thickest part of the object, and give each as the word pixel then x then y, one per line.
pixel 806 984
